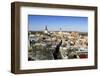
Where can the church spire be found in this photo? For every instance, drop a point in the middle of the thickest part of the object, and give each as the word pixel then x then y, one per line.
pixel 60 28
pixel 46 27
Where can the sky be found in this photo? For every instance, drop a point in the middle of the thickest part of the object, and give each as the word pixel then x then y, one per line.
pixel 54 23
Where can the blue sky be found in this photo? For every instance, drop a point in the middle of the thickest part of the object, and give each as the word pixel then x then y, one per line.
pixel 54 23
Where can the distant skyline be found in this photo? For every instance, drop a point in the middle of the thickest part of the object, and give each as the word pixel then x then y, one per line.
pixel 54 23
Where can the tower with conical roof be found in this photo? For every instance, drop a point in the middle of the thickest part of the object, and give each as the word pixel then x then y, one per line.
pixel 46 29
pixel 60 31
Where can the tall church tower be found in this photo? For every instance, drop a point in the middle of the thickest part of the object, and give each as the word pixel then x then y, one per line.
pixel 60 32
pixel 46 29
